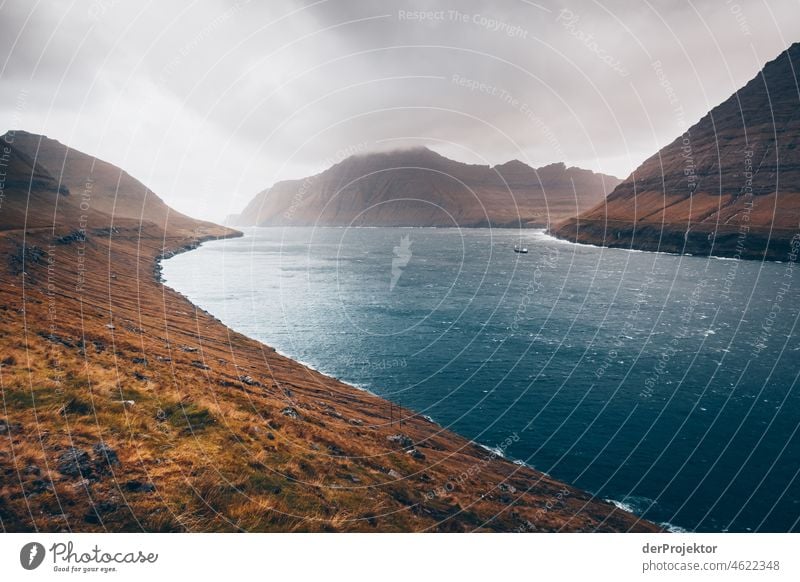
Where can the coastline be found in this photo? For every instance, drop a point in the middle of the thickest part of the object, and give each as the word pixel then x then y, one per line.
pixel 488 447
pixel 704 241
pixel 492 449
pixel 213 431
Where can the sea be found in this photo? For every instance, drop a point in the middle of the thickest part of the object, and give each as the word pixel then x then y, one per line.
pixel 665 384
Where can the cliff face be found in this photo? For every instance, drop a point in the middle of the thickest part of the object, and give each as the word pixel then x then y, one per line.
pixel 127 408
pixel 729 186
pixel 418 187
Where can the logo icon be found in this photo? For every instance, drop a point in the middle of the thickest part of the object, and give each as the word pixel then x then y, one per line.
pixel 31 555
pixel 402 255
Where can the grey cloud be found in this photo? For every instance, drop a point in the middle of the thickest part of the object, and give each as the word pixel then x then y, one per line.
pixel 211 102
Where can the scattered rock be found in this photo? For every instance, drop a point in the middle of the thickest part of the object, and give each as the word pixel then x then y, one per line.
pixel 6 428
pixel 91 517
pixel 74 462
pixel 336 451
pixel 141 377
pixel 32 470
pixel 416 454
pixel 270 436
pixel 199 364
pixel 394 474
pixel 135 486
pixel 189 349
pixel 290 412
pixel 99 509
pixel 249 381
pixel 77 407
pixel 9 361
pixel 401 439
pixel 506 487
pixel 38 486
pixel 105 456
pixel 105 506
pixel 25 254
pixel 142 361
pixel 56 339
pixel 108 231
pixel 74 236
pixel 356 421
pixel 163 359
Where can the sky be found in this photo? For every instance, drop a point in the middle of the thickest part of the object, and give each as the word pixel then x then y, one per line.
pixel 209 102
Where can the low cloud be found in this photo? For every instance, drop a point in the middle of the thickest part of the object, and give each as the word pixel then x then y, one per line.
pixel 210 103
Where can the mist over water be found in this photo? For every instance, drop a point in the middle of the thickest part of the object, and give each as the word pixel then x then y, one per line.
pixel 665 383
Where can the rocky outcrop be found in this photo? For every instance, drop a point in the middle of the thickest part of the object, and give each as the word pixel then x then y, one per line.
pixel 729 186
pixel 418 187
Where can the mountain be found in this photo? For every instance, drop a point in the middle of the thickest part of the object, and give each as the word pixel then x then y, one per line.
pixel 90 186
pixel 419 187
pixel 730 186
pixel 127 408
pixel 21 177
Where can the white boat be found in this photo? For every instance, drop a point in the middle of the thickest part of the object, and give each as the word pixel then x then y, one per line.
pixel 519 249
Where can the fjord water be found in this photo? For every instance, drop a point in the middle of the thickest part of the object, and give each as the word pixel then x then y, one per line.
pixel 665 383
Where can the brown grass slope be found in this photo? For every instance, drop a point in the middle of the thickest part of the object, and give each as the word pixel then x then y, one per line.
pixel 730 186
pixel 125 408
pixel 418 187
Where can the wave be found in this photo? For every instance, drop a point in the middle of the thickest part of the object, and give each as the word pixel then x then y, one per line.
pixel 320 370
pixel 495 450
pixel 639 506
pixel 672 528
pixel 621 505
pixel 634 504
pixel 542 233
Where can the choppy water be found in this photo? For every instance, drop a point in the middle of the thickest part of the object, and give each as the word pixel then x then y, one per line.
pixel 665 383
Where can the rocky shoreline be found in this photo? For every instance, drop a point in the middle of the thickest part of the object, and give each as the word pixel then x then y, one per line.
pixel 701 241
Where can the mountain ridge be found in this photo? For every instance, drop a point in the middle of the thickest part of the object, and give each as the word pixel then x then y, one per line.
pixel 420 187
pixel 729 186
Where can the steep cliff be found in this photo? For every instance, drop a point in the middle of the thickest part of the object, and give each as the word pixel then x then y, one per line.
pixel 729 186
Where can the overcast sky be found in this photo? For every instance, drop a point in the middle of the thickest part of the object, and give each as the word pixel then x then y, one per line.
pixel 212 101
